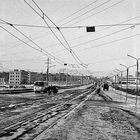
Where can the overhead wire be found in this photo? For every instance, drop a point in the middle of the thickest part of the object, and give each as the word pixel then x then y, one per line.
pixel 40 49
pixel 42 17
pixel 99 11
pixel 116 32
pixel 117 40
pixel 86 12
pixel 113 33
pixel 116 25
pixel 133 24
pixel 50 28
pixel 79 26
pixel 70 50
pixel 78 11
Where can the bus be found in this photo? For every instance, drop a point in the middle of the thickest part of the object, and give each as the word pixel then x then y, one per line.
pixel 39 86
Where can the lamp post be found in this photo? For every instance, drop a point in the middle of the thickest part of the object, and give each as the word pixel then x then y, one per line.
pixel 127 69
pixel 137 64
pixel 115 77
pixel 121 76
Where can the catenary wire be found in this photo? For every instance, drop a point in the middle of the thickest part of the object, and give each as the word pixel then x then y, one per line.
pixel 70 50
pixel 40 50
pixel 71 27
pixel 101 29
pixel 117 40
pixel 77 11
pixel 99 11
pixel 48 25
pixel 86 12
pixel 31 40
pixel 124 29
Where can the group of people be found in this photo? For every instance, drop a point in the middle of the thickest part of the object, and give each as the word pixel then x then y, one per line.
pixel 100 85
pixel 52 89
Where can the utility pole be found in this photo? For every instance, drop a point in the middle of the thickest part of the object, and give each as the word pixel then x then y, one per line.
pixel 127 69
pixel 47 74
pixel 121 76
pixel 137 72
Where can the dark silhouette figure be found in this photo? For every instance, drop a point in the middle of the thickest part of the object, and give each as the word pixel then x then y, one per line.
pixel 54 89
pixel 49 90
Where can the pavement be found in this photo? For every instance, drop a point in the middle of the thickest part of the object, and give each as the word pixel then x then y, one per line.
pixel 128 101
pixel 96 120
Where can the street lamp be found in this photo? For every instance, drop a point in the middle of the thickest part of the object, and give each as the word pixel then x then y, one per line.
pixel 116 77
pixel 137 64
pixel 121 76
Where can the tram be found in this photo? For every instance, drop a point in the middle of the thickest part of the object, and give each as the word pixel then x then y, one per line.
pixel 43 87
pixel 39 86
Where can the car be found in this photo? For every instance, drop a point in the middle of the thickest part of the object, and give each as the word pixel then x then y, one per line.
pixel 105 86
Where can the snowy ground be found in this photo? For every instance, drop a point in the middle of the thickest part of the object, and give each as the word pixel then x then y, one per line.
pixel 94 119
pixel 128 99
pixel 97 120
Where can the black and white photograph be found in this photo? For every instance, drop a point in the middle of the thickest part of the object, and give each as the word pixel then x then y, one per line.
pixel 69 69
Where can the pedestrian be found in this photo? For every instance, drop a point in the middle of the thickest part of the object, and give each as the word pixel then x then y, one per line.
pixel 49 90
pixel 98 89
pixel 55 90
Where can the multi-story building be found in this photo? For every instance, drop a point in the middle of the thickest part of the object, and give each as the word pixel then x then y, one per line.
pixel 24 77
pixel 4 76
pixel 18 77
pixel 32 77
pixel 2 81
pixel 15 77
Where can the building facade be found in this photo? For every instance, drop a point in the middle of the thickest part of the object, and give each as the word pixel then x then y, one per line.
pixel 32 77
pixel 24 79
pixel 2 81
pixel 15 77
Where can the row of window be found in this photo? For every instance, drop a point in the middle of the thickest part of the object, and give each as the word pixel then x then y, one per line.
pixel 14 76
pixel 14 82
pixel 14 73
pixel 14 79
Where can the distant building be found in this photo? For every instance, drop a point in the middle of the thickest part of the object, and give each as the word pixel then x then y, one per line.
pixel 32 77
pixel 14 77
pixel 2 81
pixel 5 75
pixel 24 77
pixel 17 77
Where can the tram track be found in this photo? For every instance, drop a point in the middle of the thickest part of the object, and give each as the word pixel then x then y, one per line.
pixel 42 106
pixel 35 119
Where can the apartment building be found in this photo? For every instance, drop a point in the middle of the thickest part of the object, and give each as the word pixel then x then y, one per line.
pixel 32 77
pixel 15 77
pixel 2 81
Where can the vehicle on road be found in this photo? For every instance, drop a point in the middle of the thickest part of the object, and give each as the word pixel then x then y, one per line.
pixel 42 87
pixel 106 86
pixel 39 86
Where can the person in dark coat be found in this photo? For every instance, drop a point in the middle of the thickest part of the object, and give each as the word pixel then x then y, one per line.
pixel 54 89
pixel 49 89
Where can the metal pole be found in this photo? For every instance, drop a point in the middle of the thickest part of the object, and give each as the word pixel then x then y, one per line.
pixel 121 78
pixel 137 81
pixel 47 77
pixel 137 59
pixel 127 83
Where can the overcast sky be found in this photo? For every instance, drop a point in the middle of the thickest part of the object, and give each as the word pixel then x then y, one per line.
pixel 102 51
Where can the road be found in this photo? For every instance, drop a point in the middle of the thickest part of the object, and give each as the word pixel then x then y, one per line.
pixel 74 114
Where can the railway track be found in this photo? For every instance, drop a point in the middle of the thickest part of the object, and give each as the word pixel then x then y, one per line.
pixel 20 128
pixel 43 105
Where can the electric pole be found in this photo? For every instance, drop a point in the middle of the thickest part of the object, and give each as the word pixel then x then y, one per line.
pixel 47 74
